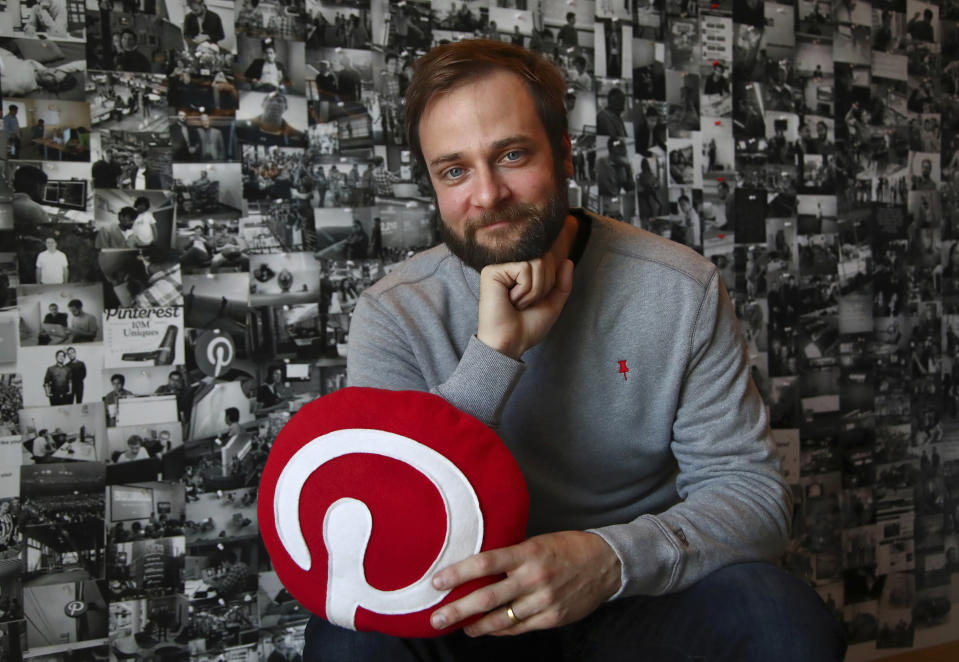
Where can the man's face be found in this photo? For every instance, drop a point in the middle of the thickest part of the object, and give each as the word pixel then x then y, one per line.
pixel 51 245
pixel 176 382
pixel 274 105
pixel 53 308
pixel 117 385
pixel 926 168
pixel 74 311
pixel 138 160
pixel 270 54
pixel 181 116
pixel 72 354
pixel 129 41
pixel 493 171
pixel 821 131
pixel 61 357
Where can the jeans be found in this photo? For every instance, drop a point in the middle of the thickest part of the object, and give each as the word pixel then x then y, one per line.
pixel 748 612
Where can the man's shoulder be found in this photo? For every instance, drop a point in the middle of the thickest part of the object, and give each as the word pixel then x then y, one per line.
pixel 646 251
pixel 432 267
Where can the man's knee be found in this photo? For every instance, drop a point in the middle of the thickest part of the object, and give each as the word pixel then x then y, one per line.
pixel 772 614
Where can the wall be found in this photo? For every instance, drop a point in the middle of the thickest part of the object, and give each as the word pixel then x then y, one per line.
pixel 808 149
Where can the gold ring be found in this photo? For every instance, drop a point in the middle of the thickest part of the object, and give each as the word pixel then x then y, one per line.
pixel 514 619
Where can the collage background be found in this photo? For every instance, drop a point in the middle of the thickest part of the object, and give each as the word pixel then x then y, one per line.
pixel 809 149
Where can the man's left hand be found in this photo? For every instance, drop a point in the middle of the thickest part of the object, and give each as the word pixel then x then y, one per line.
pixel 551 580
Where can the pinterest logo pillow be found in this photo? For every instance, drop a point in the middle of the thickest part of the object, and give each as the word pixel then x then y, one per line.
pixel 367 493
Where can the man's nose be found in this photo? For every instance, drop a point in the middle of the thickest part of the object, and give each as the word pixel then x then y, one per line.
pixel 489 189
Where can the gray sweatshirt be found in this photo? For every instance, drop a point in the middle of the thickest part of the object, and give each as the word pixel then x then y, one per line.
pixel 635 417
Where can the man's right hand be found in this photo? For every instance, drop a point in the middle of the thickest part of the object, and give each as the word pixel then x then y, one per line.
pixel 520 302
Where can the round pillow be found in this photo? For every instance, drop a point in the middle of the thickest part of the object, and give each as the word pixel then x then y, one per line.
pixel 367 493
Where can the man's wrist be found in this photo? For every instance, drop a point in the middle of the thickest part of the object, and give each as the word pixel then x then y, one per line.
pixel 502 346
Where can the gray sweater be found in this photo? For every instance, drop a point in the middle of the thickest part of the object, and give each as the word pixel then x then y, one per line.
pixel 672 462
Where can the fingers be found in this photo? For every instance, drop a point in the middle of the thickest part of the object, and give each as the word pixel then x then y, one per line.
pixel 484 564
pixel 528 282
pixel 480 601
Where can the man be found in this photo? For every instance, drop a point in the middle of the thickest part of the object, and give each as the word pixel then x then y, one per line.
pixel 118 234
pixel 921 29
pixel 134 451
pixel 11 127
pixel 181 138
pixel 144 230
pixel 349 85
pixel 129 58
pixel 716 81
pixel 924 182
pixel 383 179
pixel 235 433
pixel 609 121
pixel 106 172
pixel 112 399
pixel 627 555
pixel 283 651
pixel 689 223
pixel 202 25
pixel 57 381
pixel 210 141
pixel 579 78
pixel 78 372
pixel 184 397
pixel 29 183
pixel 140 176
pixel 83 326
pixel 822 144
pixel 53 331
pixel 614 180
pixel 269 127
pixel 265 74
pixel 568 37
pixel 37 133
pixel 52 265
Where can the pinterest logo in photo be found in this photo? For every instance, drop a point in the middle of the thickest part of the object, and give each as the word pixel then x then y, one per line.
pixel 367 493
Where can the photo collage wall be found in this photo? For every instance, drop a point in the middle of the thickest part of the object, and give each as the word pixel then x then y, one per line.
pixel 197 191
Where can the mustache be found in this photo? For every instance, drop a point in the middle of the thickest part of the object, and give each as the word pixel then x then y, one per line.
pixel 516 212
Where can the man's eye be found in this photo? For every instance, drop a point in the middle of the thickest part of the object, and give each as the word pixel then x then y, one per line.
pixel 513 155
pixel 454 173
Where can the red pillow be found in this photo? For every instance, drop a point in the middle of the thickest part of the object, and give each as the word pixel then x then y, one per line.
pixel 367 493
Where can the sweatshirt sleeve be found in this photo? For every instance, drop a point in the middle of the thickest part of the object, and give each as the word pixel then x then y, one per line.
pixel 735 504
pixel 382 355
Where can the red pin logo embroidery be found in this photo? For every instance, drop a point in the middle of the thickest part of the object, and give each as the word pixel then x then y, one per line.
pixel 367 493
pixel 623 369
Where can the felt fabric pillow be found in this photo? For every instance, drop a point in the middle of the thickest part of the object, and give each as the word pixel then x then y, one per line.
pixel 367 493
pixel 41 50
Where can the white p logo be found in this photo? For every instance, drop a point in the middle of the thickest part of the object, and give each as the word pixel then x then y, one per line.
pixel 348 523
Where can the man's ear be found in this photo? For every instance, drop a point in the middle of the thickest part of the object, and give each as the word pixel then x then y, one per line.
pixel 567 147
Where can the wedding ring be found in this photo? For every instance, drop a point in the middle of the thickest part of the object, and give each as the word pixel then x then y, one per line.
pixel 514 619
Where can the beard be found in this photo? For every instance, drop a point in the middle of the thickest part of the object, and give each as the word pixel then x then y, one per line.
pixel 540 225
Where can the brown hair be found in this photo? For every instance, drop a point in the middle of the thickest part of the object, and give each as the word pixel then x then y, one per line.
pixel 446 67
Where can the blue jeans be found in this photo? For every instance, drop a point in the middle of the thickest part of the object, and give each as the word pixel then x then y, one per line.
pixel 749 612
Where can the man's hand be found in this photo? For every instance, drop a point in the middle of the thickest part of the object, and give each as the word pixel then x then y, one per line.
pixel 551 580
pixel 520 302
